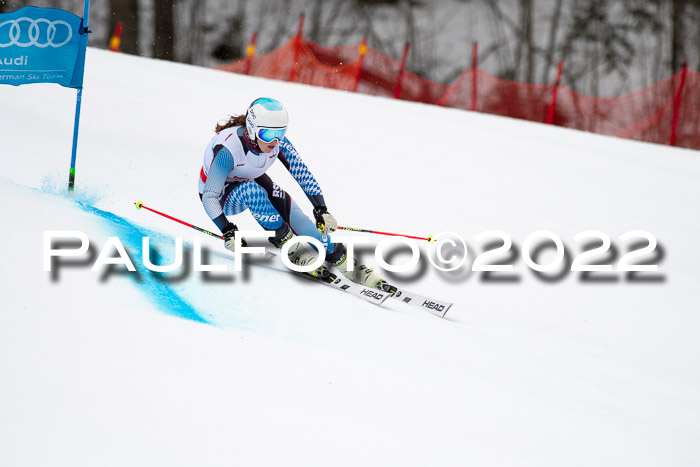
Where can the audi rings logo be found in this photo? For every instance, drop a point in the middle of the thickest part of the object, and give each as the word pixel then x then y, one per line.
pixel 39 32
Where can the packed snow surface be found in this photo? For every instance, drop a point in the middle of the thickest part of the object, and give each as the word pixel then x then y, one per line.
pixel 111 367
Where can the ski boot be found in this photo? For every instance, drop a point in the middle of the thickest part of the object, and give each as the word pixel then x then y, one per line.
pixel 362 274
pixel 301 255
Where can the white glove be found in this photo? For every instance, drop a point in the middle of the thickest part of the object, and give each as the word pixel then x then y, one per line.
pixel 325 222
pixel 230 238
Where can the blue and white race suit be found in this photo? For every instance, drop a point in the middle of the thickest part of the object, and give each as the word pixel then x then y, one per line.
pixel 233 180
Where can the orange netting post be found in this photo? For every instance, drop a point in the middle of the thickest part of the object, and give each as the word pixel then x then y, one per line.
pixel 363 52
pixel 402 70
pixel 116 41
pixel 249 53
pixel 297 47
pixel 475 62
pixel 677 103
pixel 553 104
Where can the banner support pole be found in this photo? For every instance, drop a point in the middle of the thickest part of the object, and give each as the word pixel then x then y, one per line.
pixel 76 126
pixel 78 100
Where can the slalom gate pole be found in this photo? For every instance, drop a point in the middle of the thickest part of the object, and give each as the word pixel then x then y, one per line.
pixel 140 205
pixel 76 125
pixel 353 229
pixel 74 151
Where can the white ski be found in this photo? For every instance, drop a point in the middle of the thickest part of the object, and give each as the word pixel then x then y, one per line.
pixel 337 281
pixel 436 307
pixel 346 285
pixel 378 297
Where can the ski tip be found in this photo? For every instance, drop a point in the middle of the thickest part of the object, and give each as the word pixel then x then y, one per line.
pixel 447 308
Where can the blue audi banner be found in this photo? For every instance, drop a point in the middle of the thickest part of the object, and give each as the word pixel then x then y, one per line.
pixel 42 45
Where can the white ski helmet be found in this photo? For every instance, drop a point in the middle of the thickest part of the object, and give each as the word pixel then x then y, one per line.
pixel 266 119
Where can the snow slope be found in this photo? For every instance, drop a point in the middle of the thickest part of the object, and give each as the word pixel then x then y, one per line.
pixel 263 368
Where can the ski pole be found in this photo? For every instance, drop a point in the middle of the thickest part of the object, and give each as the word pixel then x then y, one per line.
pixel 429 239
pixel 139 205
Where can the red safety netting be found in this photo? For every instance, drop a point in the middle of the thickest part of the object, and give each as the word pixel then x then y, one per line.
pixel 315 65
pixel 379 74
pixel 688 130
pixel 649 114
pixel 483 92
pixel 644 115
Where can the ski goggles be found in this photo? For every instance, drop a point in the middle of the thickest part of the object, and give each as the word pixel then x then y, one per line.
pixel 268 135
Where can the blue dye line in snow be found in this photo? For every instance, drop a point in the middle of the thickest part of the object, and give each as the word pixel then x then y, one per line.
pixel 158 291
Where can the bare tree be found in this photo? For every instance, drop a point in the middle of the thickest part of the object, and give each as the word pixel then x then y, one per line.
pixel 192 30
pixel 508 69
pixel 164 41
pixel 678 34
pixel 554 22
pixel 526 47
pixel 598 44
pixel 231 45
pixel 603 42
pixel 695 11
pixel 316 26
pixel 367 12
pixel 644 22
pixel 11 5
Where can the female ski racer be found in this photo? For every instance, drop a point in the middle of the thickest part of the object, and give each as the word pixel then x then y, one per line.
pixel 233 180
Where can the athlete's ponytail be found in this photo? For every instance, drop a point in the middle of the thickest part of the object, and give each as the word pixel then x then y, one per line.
pixel 235 120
